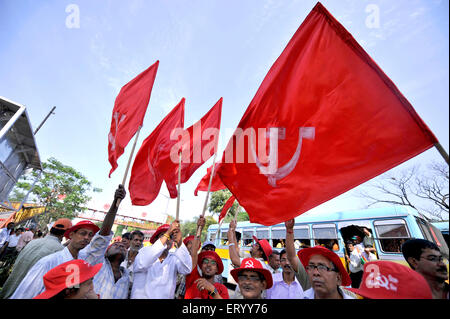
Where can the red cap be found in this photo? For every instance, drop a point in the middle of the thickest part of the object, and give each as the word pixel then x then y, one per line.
pixel 161 229
pixel 68 274
pixel 265 246
pixel 390 280
pixel 190 238
pixel 83 224
pixel 212 255
pixel 305 254
pixel 253 265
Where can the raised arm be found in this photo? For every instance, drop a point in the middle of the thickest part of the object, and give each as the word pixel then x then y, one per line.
pixel 300 271
pixel 232 244
pixel 108 221
pixel 195 243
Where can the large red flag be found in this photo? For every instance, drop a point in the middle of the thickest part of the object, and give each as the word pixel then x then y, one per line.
pixel 326 119
pixel 153 159
pixel 198 144
pixel 216 183
pixel 128 113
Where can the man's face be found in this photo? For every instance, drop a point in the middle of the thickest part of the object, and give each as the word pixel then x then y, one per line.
pixel 350 247
pixel 256 251
pixel 431 265
pixel 285 264
pixel 10 226
pixel 209 267
pixel 136 242
pixel 250 284
pixel 323 281
pixel 126 241
pixel 81 238
pixel 85 289
pixel 117 248
pixel 274 261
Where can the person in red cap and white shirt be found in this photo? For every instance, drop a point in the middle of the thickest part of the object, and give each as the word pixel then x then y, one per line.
pixel 87 242
pixel 253 279
pixel 391 280
pixel 33 252
pixel 160 265
pixel 326 274
pixel 204 286
pixel 70 280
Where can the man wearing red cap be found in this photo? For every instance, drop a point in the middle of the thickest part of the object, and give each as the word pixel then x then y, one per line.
pixel 33 252
pixel 253 279
pixel 70 280
pixel 87 242
pixel 391 280
pixel 160 264
pixel 326 274
pixel 204 286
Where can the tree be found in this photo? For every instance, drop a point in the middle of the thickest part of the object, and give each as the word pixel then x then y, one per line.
pixel 60 188
pixel 190 227
pixel 427 192
pixel 218 200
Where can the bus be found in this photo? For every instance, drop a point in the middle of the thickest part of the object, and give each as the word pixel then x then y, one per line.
pixel 443 227
pixel 390 228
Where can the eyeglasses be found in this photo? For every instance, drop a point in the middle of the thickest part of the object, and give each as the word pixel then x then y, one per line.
pixel 208 261
pixel 320 268
pixel 434 258
pixel 251 278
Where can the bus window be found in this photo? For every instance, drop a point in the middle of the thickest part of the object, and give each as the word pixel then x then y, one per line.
pixel 278 237
pixel 262 233
pixel 325 235
pixel 223 237
pixel 247 238
pixel 431 233
pixel 392 234
pixel 301 237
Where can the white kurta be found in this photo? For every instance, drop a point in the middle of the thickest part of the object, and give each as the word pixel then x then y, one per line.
pixel 161 277
pixel 33 283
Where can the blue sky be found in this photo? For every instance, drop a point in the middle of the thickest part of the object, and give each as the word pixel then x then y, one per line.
pixel 207 50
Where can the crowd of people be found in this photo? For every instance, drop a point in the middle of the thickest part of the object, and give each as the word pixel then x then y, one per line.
pixel 91 265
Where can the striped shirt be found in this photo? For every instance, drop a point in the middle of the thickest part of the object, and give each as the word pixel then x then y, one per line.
pixel 33 283
pixel 107 287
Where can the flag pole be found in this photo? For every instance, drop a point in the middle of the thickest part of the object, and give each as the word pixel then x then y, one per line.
pixel 441 151
pixel 209 189
pixel 129 162
pixel 179 182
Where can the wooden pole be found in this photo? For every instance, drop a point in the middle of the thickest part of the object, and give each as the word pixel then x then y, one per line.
pixel 209 189
pixel 179 182
pixel 129 162
pixel 441 151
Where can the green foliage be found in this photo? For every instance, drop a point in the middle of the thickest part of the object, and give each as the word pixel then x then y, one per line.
pixel 190 227
pixel 218 200
pixel 56 180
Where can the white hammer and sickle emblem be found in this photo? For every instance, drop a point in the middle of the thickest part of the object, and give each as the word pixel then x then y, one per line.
pixel 111 138
pixel 249 264
pixel 272 171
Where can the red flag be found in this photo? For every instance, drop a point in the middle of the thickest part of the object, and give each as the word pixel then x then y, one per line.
pixel 226 207
pixel 152 162
pixel 128 113
pixel 216 183
pixel 198 144
pixel 329 119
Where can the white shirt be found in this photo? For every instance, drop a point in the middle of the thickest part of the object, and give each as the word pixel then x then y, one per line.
pixel 33 283
pixel 13 240
pixel 309 294
pixel 281 290
pixel 107 287
pixel 4 236
pixel 161 277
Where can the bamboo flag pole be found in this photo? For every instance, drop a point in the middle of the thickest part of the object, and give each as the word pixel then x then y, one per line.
pixel 179 182
pixel 441 151
pixel 209 189
pixel 129 162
